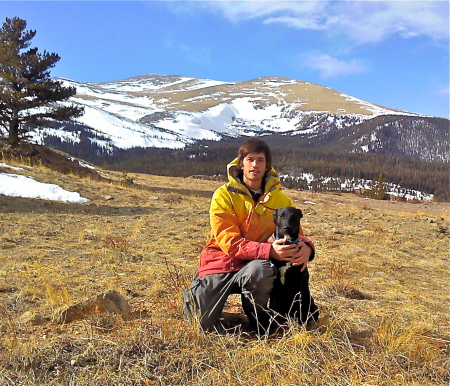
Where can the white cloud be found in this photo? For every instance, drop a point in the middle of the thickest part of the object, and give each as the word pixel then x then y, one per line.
pixel 374 21
pixel 330 67
pixel 295 22
pixel 362 21
pixel 243 10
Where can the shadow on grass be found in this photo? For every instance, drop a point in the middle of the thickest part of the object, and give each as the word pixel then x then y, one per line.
pixel 184 192
pixel 34 205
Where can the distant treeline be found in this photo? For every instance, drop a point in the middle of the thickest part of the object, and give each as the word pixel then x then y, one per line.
pixel 427 177
pixel 210 158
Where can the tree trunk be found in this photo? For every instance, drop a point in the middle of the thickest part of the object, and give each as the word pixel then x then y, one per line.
pixel 13 138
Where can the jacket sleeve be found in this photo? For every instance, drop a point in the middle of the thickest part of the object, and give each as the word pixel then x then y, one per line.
pixel 226 231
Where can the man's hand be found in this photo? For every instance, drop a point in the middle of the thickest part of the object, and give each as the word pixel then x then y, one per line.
pixel 282 252
pixel 302 256
pixel 297 254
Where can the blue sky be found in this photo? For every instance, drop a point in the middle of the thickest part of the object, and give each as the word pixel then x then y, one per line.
pixel 392 53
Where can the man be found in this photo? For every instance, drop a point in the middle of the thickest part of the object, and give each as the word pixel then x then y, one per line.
pixel 237 257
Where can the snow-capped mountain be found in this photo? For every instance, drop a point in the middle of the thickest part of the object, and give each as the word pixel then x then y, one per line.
pixel 175 111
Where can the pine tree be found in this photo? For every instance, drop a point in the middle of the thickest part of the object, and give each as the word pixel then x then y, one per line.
pixel 379 190
pixel 28 97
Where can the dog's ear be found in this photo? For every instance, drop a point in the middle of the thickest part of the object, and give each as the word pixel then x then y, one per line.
pixel 275 215
pixel 300 213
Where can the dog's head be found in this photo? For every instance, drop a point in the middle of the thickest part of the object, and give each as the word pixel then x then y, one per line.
pixel 287 222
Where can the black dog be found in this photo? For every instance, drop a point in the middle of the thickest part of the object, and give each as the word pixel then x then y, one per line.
pixel 291 296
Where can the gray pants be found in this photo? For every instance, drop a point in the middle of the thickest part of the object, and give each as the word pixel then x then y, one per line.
pixel 207 295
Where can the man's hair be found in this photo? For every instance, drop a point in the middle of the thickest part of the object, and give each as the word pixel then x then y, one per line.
pixel 254 145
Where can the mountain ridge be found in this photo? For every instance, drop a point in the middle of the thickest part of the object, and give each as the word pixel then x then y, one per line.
pixel 174 111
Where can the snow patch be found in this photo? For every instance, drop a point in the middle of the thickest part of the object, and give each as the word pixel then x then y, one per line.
pixel 205 84
pixel 38 135
pixel 126 134
pixel 10 167
pixel 376 110
pixel 15 185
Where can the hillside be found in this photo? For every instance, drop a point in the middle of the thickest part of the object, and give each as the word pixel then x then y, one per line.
pixel 162 111
pixel 380 280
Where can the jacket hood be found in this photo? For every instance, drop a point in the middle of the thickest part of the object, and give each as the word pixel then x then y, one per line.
pixel 271 177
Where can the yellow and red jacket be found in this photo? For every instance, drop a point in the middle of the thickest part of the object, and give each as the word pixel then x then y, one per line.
pixel 241 227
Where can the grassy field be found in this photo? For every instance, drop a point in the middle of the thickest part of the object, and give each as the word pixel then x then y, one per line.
pixel 380 279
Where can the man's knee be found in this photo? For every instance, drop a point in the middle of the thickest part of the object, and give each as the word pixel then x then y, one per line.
pixel 259 269
pixel 209 295
pixel 258 274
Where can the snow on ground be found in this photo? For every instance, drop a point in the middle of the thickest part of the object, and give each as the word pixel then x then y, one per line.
pixel 217 118
pixel 247 109
pixel 122 108
pixel 81 163
pixel 355 185
pixel 10 167
pixel 126 134
pixel 205 84
pixel 101 95
pixel 223 117
pixel 374 109
pixel 15 185
pixel 38 135
pixel 138 85
pixel 281 83
pixel 188 125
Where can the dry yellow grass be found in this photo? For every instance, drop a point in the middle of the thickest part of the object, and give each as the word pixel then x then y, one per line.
pixel 380 280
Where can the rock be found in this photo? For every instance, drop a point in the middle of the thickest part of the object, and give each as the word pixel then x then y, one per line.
pixel 108 198
pixel 109 302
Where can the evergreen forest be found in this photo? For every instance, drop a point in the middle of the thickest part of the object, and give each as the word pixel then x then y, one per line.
pixel 208 159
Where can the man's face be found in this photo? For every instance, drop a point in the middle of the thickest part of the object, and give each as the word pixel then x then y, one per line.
pixel 254 168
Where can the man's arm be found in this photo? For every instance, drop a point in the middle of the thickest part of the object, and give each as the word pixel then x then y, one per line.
pixel 225 229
